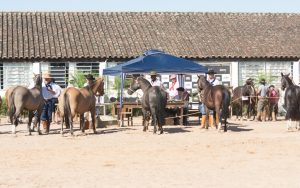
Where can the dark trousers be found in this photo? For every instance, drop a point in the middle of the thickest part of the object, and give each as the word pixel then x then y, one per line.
pixel 47 111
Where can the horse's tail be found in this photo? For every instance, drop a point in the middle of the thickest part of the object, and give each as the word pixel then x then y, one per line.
pixel 12 108
pixel 67 110
pixel 225 104
pixel 161 113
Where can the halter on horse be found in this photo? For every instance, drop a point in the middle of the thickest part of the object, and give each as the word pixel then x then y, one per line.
pixel 153 100
pixel 215 98
pixel 78 101
pixel 291 99
pixel 248 91
pixel 30 99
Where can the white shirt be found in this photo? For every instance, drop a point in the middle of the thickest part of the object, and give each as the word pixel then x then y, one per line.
pixel 172 90
pixel 214 82
pixel 155 83
pixel 57 90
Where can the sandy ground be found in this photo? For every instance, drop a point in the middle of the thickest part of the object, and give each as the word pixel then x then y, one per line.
pixel 250 154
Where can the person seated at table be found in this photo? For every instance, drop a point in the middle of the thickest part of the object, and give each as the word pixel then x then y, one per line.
pixel 184 96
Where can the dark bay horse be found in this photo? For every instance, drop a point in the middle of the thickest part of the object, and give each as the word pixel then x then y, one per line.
pixel 215 98
pixel 291 99
pixel 154 101
pixel 78 101
pixel 29 99
pixel 244 96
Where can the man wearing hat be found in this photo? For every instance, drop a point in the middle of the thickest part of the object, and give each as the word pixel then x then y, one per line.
pixel 89 80
pixel 184 96
pixel 154 81
pixel 213 81
pixel 48 93
pixel 262 100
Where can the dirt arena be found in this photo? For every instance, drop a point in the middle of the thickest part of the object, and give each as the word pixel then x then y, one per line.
pixel 250 154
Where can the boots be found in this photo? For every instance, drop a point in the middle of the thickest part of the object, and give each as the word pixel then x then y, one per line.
pixel 203 121
pixel 274 116
pixel 258 116
pixel 44 124
pixel 217 120
pixel 211 121
pixel 263 116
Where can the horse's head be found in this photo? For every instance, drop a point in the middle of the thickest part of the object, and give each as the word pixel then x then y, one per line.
pixel 134 85
pixel 100 88
pixel 285 81
pixel 202 83
pixel 38 80
pixel 250 82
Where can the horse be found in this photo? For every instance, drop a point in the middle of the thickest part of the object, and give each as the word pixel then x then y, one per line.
pixel 241 93
pixel 154 101
pixel 74 101
pixel 30 99
pixel 215 98
pixel 291 99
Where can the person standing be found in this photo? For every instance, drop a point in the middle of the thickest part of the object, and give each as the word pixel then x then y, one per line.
pixel 273 101
pixel 202 108
pixel 48 93
pixel 154 81
pixel 262 100
pixel 172 87
pixel 57 89
pixel 89 82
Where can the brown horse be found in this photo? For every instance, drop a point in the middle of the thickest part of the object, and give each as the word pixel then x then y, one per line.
pixel 29 99
pixel 78 101
pixel 215 98
pixel 244 96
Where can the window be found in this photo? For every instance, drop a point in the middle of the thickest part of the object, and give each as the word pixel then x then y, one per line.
pixel 16 74
pixel 88 68
pixel 60 72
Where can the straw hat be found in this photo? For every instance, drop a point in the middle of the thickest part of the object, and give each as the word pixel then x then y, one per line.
pixel 173 76
pixel 47 75
pixel 153 73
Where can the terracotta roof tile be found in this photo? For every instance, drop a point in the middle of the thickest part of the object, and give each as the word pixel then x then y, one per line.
pixel 25 35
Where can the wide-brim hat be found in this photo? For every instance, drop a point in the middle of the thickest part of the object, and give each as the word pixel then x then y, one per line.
pixel 47 75
pixel 180 89
pixel 89 77
pixel 262 81
pixel 153 73
pixel 211 71
pixel 173 76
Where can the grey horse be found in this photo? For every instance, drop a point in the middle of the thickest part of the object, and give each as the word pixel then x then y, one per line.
pixel 154 101
pixel 29 99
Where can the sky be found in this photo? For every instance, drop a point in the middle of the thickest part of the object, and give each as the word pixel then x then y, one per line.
pixel 273 6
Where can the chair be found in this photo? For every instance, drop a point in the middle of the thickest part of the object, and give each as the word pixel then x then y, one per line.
pixel 126 113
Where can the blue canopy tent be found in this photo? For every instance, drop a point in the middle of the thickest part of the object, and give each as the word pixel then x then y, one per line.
pixel 154 60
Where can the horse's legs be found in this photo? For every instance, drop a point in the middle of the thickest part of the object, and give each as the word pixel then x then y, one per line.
pixel 154 122
pixel 93 113
pixel 15 118
pixel 289 124
pixel 144 119
pixel 30 116
pixel 82 125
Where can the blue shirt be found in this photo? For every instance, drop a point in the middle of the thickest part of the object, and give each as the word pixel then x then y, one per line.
pixel 46 94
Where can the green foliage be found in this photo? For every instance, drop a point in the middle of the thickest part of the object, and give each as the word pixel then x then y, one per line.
pixel 3 109
pixel 267 76
pixel 78 79
pixel 118 84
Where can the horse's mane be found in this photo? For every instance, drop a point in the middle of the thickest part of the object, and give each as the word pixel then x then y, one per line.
pixel 144 82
